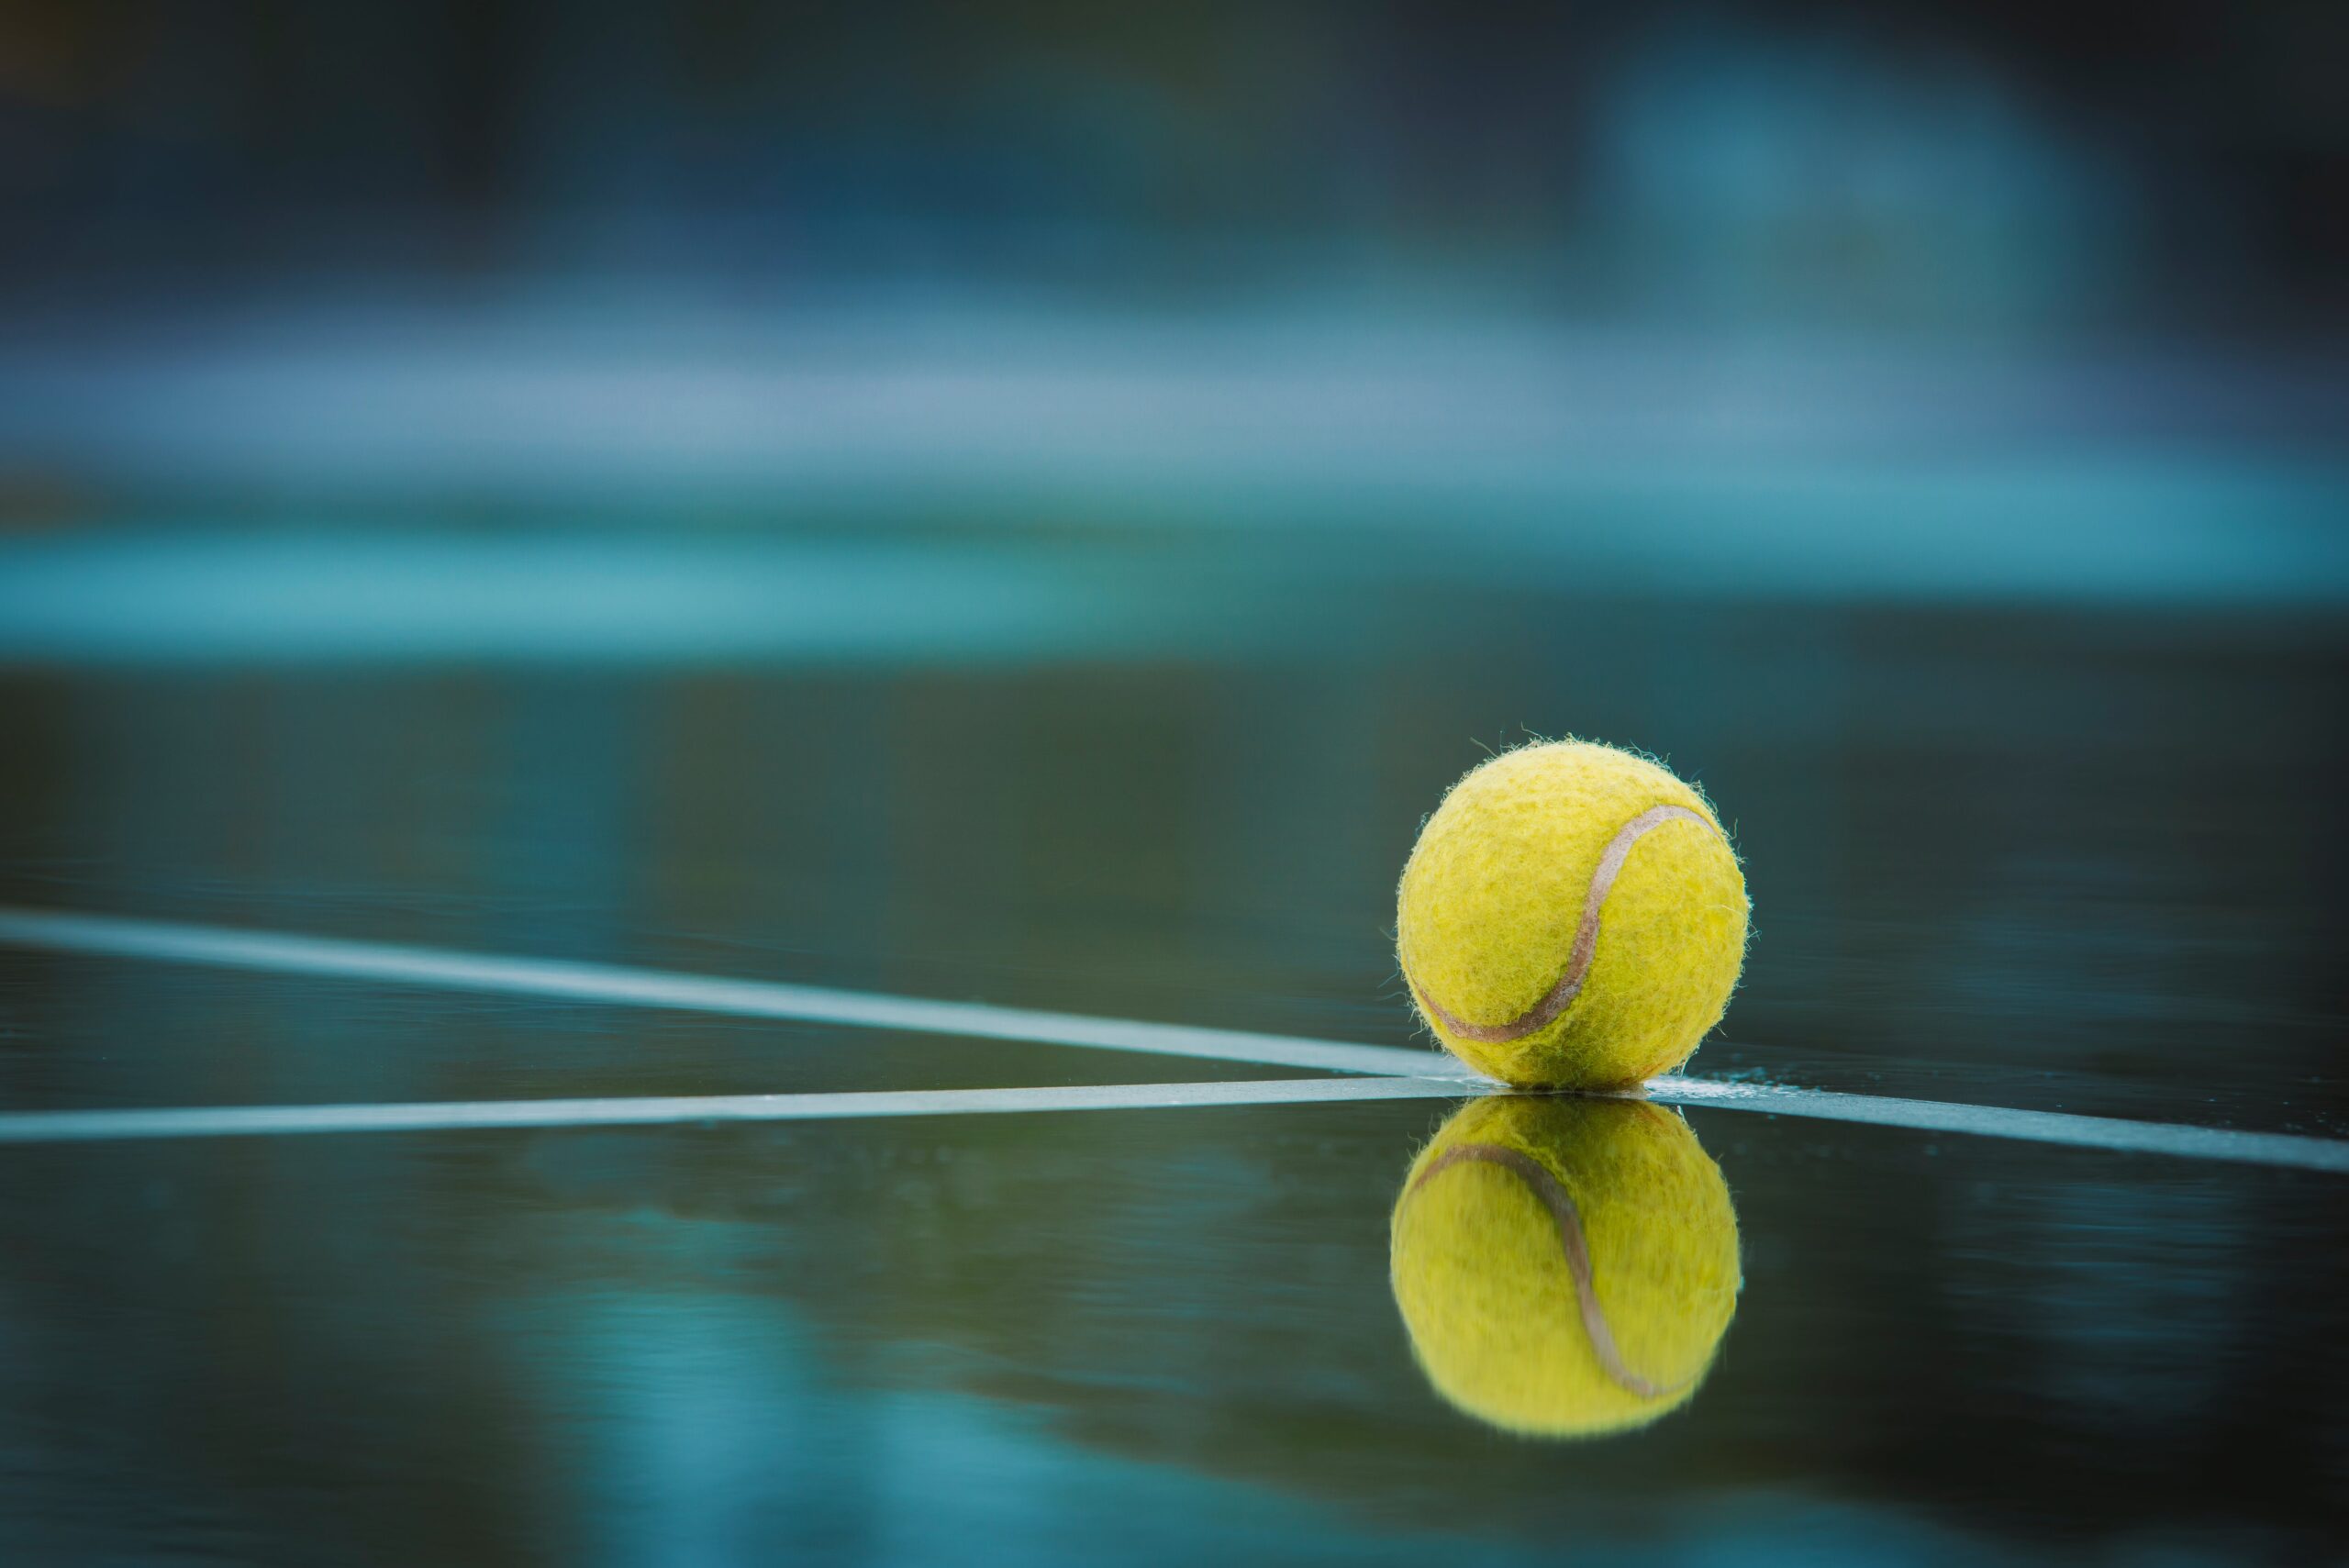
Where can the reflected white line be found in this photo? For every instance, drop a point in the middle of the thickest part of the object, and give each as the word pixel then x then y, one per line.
pixel 1385 1072
pixel 617 985
pixel 245 1121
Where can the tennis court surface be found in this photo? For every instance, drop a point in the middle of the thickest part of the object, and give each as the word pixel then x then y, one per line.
pixel 511 1082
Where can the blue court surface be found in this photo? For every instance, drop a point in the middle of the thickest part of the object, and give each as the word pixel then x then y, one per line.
pixel 806 1019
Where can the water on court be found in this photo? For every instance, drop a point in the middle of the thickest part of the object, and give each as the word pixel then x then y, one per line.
pixel 2042 855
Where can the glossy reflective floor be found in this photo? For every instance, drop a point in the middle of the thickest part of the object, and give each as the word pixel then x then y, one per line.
pixel 2051 859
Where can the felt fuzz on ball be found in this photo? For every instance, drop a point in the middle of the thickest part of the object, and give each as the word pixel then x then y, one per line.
pixel 1572 917
pixel 1564 1267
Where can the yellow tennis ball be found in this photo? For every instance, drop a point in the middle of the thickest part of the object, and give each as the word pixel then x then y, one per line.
pixel 1571 918
pixel 1564 1267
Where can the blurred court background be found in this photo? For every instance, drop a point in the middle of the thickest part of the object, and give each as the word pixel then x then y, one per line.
pixel 1034 503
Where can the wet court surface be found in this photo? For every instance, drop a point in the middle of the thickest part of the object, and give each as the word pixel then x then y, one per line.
pixel 2083 861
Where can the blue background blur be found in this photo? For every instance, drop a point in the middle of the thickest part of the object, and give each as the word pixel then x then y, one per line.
pixel 1034 503
pixel 2000 167
pixel 2008 300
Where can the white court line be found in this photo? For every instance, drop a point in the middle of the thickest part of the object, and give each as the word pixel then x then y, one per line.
pixel 616 986
pixel 1996 1122
pixel 1988 1121
pixel 233 1121
pixel 1392 1073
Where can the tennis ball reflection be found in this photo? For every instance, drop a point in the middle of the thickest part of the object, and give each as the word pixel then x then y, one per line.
pixel 1565 1267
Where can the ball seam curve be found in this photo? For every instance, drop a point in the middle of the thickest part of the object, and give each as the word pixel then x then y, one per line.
pixel 1552 1195
pixel 1584 950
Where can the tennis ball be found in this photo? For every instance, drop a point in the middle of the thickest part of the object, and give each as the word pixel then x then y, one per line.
pixel 1571 918
pixel 1564 1267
